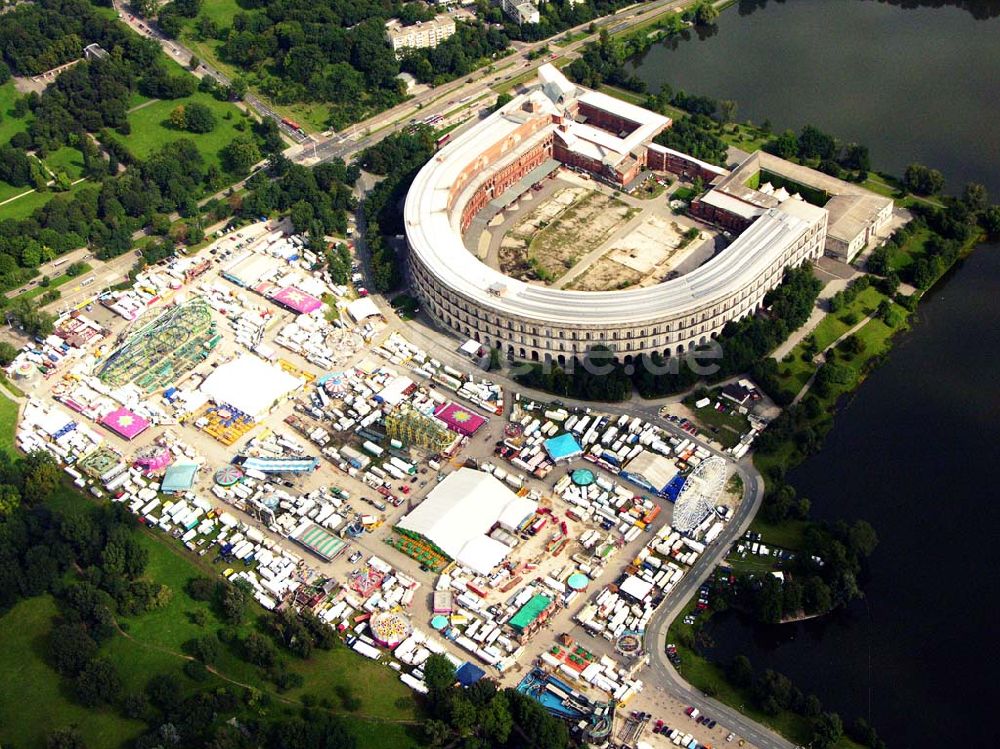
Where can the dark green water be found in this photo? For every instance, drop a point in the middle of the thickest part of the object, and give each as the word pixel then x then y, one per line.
pixel 914 83
pixel 915 450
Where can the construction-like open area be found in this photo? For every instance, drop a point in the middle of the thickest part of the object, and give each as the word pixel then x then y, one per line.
pixel 560 231
pixel 647 254
pixel 577 234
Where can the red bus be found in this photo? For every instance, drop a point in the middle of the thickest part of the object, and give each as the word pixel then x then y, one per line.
pixel 443 139
pixel 291 123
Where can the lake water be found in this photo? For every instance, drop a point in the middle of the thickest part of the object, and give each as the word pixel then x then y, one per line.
pixel 914 84
pixel 913 451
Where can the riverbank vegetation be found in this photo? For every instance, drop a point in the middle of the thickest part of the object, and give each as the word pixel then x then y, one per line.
pixel 919 253
pixel 767 697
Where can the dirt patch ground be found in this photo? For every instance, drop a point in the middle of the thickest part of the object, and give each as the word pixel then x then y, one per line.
pixel 558 232
pixel 605 275
pixel 645 256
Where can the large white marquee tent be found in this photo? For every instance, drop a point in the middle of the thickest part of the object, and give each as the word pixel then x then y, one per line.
pixel 249 384
pixel 461 510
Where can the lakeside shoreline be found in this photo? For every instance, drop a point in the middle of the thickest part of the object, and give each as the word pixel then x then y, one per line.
pixel 707 673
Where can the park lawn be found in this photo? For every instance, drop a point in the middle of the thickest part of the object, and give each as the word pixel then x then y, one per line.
pixel 9 124
pixel 25 206
pixel 834 325
pixel 137 99
pixel 151 127
pixel 789 534
pixel 8 191
pixel 11 388
pixel 911 251
pixel 745 137
pixel 220 11
pixel 312 117
pixel 172 626
pixel 8 420
pixel 882 184
pixel 34 699
pixel 66 159
pixel 794 370
pixel 875 337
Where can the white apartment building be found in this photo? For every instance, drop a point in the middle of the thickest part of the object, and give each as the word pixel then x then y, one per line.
pixel 419 35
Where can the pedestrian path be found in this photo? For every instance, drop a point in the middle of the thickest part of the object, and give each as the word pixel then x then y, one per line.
pixel 820 358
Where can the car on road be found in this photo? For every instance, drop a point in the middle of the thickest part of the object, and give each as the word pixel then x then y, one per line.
pixel 731 736
pixel 354 557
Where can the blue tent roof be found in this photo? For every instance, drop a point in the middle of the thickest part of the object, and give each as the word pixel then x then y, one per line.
pixel 563 447
pixel 179 477
pixel 469 673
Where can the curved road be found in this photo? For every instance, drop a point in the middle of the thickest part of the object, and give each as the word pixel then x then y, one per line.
pixel 656 634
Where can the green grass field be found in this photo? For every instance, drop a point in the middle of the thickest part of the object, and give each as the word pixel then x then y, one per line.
pixel 8 421
pixel 66 159
pixel 220 11
pixel 9 124
pixel 726 427
pixel 911 251
pixel 151 127
pixel 794 370
pixel 35 700
pixel 788 535
pixel 8 190
pixel 746 138
pixel 25 206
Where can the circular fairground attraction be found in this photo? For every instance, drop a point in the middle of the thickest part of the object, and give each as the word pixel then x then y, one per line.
pixel 335 385
pixel 153 458
pixel 389 628
pixel 578 581
pixel 583 477
pixel 629 644
pixel 512 430
pixel 228 475
pixel 439 622
pixel 25 370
